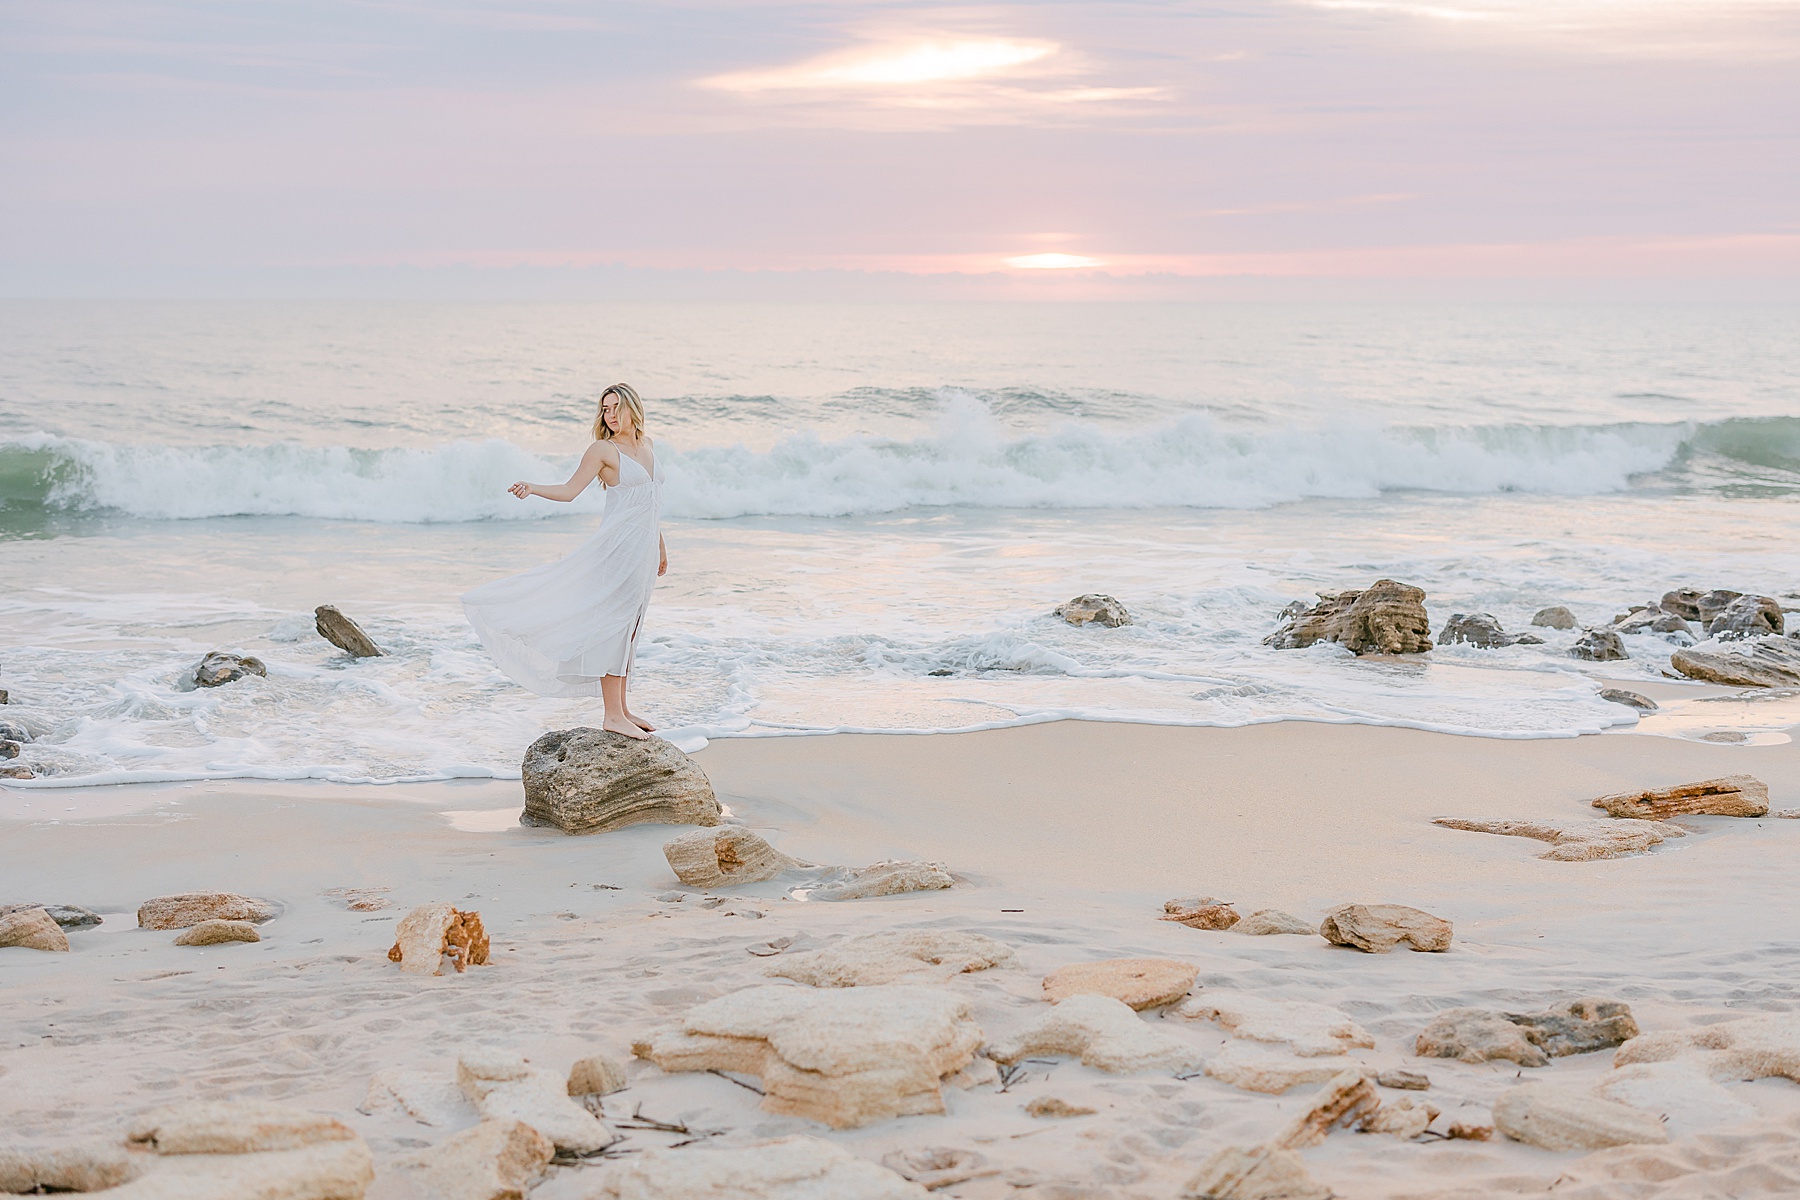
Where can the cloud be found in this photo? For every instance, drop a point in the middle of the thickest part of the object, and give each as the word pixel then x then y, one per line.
pixel 895 65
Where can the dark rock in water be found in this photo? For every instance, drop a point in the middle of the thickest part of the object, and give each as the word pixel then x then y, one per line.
pixel 9 749
pixel 344 633
pixel 1632 699
pixel 1386 617
pixel 1755 662
pixel 1747 616
pixel 220 668
pixel 1683 602
pixel 68 916
pixel 1640 619
pixel 5 696
pixel 14 733
pixel 1713 603
pixel 592 781
pixel 1554 617
pixel 1530 1039
pixel 1094 609
pixel 1599 645
pixel 17 772
pixel 1483 630
pixel 1668 622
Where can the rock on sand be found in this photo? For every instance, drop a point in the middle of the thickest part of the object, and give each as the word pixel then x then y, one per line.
pixel 1139 982
pixel 786 1169
pixel 1103 1033
pixel 212 933
pixel 723 855
pixel 592 781
pixel 1559 1118
pixel 30 928
pixel 1727 796
pixel 894 956
pixel 505 1087
pixel 191 908
pixel 1378 928
pixel 1476 1035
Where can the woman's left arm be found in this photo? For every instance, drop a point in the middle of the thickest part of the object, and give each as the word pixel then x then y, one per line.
pixel 662 550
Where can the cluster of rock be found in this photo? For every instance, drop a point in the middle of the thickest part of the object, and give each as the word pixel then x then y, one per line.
pixel 1476 1035
pixel 1639 820
pixel 1482 630
pixel 1764 659
pixel 1373 928
pixel 1385 618
pixel 13 739
pixel 204 919
pixel 221 667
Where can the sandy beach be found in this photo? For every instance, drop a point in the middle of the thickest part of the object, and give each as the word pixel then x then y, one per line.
pixel 1065 839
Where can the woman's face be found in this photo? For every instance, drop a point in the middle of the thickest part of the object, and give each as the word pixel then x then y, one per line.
pixel 613 413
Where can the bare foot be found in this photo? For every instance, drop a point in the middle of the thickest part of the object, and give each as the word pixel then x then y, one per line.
pixel 624 728
pixel 642 724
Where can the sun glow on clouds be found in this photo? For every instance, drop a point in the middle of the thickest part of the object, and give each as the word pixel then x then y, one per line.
pixel 1051 262
pixel 895 65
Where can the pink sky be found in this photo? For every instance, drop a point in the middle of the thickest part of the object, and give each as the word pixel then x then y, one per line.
pixel 1616 139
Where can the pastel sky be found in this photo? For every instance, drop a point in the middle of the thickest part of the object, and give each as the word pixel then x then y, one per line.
pixel 1614 138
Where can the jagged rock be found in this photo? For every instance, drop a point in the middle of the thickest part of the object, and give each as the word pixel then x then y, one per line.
pixel 1403 1118
pixel 1680 1090
pixel 1554 617
pixel 1747 616
pixel 1378 928
pixel 14 733
pixel 10 749
pixel 1386 617
pixel 1310 1030
pixel 1347 1098
pixel 1254 1068
pixel 1682 602
pixel 1756 662
pixel 430 932
pixel 496 1160
pixel 505 1087
pixel 1094 609
pixel 72 916
pixel 1599 645
pixel 1556 1118
pixel 236 1150
pixel 1482 630
pixel 888 878
pixel 592 781
pixel 1630 699
pixel 1713 603
pixel 1139 982
pixel 842 1056
pixel 17 772
pixel 1103 1033
pixel 596 1075
pixel 1728 796
pixel 5 696
pixel 1259 1173
pixel 934 1167
pixel 1529 1039
pixel 1052 1107
pixel 219 668
pixel 30 928
pixel 724 854
pixel 1577 841
pixel 1266 921
pixel 191 908
pixel 1402 1080
pixel 793 1168
pixel 893 957
pixel 344 633
pixel 1752 1048
pixel 1200 912
pixel 212 933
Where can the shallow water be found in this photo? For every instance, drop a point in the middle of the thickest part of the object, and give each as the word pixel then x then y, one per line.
pixel 870 511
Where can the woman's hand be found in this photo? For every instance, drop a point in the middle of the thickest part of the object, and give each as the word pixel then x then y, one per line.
pixel 662 553
pixel 520 489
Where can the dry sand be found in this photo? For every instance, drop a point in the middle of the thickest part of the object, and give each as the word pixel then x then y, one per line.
pixel 1083 829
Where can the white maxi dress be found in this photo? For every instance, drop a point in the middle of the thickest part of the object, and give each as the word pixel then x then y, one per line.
pixel 556 629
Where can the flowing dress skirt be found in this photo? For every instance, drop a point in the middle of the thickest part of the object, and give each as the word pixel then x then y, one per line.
pixel 556 629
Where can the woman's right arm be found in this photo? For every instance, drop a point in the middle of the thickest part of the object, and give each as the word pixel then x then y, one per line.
pixel 585 473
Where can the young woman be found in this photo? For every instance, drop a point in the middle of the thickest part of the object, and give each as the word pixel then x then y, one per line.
pixel 570 628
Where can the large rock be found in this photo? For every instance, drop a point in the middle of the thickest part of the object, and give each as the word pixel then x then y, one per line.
pixel 1258 1068
pixel 1139 982
pixel 1712 604
pixel 592 781
pixel 1576 841
pixel 1309 1030
pixel 1103 1033
pixel 219 668
pixel 1482 630
pixel 496 1160
pixel 892 877
pixel 213 933
pixel 432 932
pixel 1554 617
pixel 1378 928
pixel 1753 1048
pixel 1094 609
pixel 344 633
pixel 792 1168
pixel 1747 616
pixel 1530 1039
pixel 230 1150
pixel 1386 617
pixel 191 908
pixel 30 928
pixel 842 1056
pixel 505 1087
pixel 1682 602
pixel 1728 796
pixel 1599 645
pixel 897 956
pixel 723 855
pixel 1556 1118
pixel 1759 662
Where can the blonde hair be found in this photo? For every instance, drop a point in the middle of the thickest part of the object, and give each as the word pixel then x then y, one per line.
pixel 628 398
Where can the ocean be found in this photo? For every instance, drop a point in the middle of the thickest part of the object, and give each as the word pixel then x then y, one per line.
pixel 871 512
